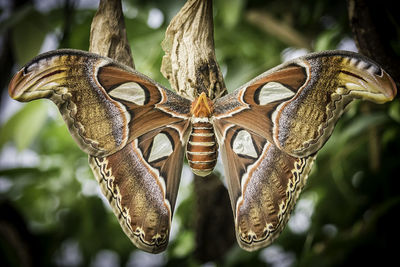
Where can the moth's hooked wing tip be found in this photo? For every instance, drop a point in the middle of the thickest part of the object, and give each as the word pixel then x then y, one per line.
pixel 389 88
pixel 383 88
pixel 366 80
pixel 34 81
pixel 16 86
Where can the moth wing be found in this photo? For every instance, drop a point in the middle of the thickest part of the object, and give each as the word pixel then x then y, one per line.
pixel 104 104
pixel 141 183
pixel 296 105
pixel 133 129
pixel 263 183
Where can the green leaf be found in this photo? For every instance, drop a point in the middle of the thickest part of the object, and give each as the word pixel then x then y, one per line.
pixel 25 125
pixel 327 40
pixel 15 18
pixel 360 125
pixel 352 131
pixel 184 245
pixel 230 12
pixel 394 111
pixel 32 30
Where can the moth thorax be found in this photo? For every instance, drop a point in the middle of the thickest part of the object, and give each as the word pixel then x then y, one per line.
pixel 202 148
pixel 202 107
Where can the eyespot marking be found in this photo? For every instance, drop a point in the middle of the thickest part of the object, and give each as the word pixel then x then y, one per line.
pixel 243 144
pixel 271 92
pixel 161 148
pixel 131 92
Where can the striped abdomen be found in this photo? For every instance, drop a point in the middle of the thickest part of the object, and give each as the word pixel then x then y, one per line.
pixel 202 148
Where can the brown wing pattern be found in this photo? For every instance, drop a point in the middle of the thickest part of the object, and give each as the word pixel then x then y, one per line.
pixel 296 105
pixel 134 131
pixel 270 129
pixel 264 184
pixel 104 104
pixel 141 183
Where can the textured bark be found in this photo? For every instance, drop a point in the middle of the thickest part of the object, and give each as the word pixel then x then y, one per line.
pixel 191 67
pixel 374 27
pixel 108 34
pixel 373 24
pixel 279 29
pixel 215 232
pixel 189 63
pixel 22 244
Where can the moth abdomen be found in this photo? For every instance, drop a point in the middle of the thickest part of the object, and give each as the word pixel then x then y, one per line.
pixel 202 149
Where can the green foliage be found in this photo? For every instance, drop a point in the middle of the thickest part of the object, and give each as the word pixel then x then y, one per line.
pixel 231 11
pixel 350 201
pixel 32 116
pixel 34 32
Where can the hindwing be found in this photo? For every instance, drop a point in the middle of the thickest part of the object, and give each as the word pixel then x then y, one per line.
pixel 133 129
pixel 270 130
pixel 263 183
pixel 135 132
pixel 141 183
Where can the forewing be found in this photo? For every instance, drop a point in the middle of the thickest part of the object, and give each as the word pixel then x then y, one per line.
pixel 296 105
pixel 105 105
pixel 141 183
pixel 133 130
pixel 263 183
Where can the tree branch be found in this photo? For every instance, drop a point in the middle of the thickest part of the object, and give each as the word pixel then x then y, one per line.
pixel 191 67
pixel 215 232
pixel 373 29
pixel 189 63
pixel 108 34
pixel 282 31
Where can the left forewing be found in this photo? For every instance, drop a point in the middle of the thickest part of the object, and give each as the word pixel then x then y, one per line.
pixel 105 105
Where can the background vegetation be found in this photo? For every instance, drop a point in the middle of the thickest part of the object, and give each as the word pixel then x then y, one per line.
pixel 51 210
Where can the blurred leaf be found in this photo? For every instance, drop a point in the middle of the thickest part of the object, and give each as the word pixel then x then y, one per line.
pixel 79 37
pixel 355 128
pixel 184 245
pixel 230 11
pixel 16 17
pixel 394 110
pixel 56 139
pixel 360 125
pixel 32 30
pixel 326 40
pixel 25 125
pixel 238 256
